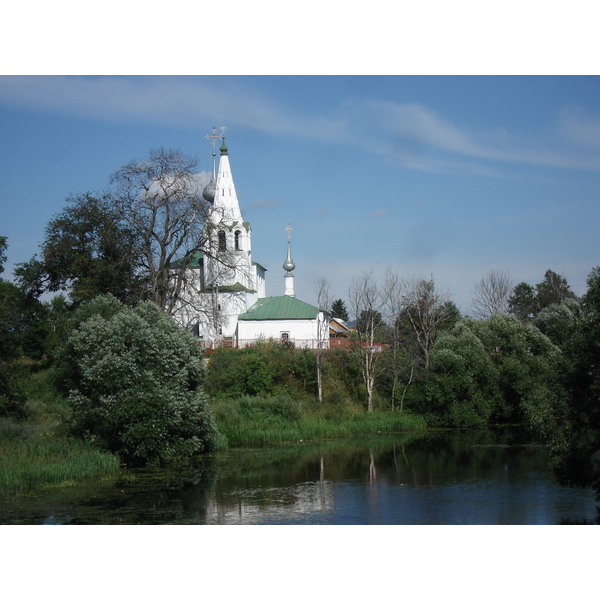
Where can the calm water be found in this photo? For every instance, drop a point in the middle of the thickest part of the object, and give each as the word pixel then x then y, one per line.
pixel 477 477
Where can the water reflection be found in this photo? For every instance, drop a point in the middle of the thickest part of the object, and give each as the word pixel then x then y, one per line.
pixel 484 476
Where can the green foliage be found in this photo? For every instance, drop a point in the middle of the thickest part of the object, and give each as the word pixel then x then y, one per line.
pixel 133 379
pixel 29 462
pixel 483 371
pixel 528 364
pixel 260 420
pixel 339 310
pixel 526 301
pixel 462 388
pixel 87 250
pixel 267 368
pixel 24 327
pixel 560 322
pixel 12 395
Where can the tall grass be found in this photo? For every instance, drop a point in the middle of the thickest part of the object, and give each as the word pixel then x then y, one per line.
pixel 256 421
pixel 36 452
pixel 38 463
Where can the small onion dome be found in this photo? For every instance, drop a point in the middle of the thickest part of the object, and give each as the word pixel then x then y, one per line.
pixel 208 193
pixel 289 265
pixel 223 148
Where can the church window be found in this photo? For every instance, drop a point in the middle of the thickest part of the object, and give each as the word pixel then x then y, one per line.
pixel 237 240
pixel 222 241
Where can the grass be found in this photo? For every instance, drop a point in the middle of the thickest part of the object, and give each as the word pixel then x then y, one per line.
pixel 36 463
pixel 36 452
pixel 256 421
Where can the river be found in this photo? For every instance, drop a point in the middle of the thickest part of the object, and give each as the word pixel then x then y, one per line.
pixel 491 476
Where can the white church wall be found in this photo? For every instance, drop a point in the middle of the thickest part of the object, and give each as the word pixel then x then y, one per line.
pixel 303 333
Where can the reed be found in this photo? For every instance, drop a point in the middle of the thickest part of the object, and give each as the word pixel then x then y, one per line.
pixel 257 421
pixel 36 463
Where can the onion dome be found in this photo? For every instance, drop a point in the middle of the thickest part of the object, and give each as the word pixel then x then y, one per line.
pixel 289 265
pixel 223 148
pixel 208 193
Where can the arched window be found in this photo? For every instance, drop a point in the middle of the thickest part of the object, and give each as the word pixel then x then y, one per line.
pixel 237 240
pixel 222 241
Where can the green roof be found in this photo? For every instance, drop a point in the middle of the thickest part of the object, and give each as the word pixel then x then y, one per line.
pixel 236 287
pixel 195 263
pixel 279 308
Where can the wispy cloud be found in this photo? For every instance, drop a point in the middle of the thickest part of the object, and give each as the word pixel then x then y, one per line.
pixel 379 213
pixel 262 204
pixel 410 134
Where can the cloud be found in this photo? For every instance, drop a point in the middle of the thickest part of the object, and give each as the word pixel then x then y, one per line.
pixel 580 128
pixel 410 134
pixel 262 204
pixel 379 213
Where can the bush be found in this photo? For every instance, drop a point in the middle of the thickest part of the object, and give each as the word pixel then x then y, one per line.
pixel 133 378
pixel 267 368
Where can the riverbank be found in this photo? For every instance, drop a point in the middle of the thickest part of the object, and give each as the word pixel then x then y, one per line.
pixel 36 451
pixel 258 421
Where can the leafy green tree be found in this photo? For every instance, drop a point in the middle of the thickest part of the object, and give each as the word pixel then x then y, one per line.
pixel 526 301
pixel 560 322
pixel 88 251
pixel 462 385
pixel 24 328
pixel 553 289
pixel 528 363
pixel 134 380
pixel 570 424
pixel 339 310
pixel 522 301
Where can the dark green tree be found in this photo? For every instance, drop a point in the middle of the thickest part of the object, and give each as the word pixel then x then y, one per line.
pixel 571 424
pixel 522 302
pixel 553 289
pixel 339 310
pixel 88 250
pixel 526 301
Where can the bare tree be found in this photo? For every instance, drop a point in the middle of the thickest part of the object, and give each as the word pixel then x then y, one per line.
pixel 402 353
pixel 161 198
pixel 366 302
pixel 491 294
pixel 426 312
pixel 323 292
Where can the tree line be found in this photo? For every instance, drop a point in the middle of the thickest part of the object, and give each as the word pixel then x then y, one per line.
pixel 528 353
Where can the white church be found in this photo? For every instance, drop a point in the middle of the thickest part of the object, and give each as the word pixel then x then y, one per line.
pixel 225 301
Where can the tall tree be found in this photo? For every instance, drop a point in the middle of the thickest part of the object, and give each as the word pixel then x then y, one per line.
pixel 427 312
pixel 323 292
pixel 339 310
pixel 526 301
pixel 553 289
pixel 366 302
pixel 88 250
pixel 160 199
pixel 491 294
pixel 522 301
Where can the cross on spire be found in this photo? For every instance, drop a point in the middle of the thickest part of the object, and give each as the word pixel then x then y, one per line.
pixel 289 230
pixel 214 136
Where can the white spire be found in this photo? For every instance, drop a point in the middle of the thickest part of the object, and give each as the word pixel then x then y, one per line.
pixel 289 265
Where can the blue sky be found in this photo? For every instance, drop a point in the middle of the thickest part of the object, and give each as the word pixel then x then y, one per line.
pixel 447 176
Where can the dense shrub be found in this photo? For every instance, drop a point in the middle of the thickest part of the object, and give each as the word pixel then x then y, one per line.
pixel 268 368
pixel 133 378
